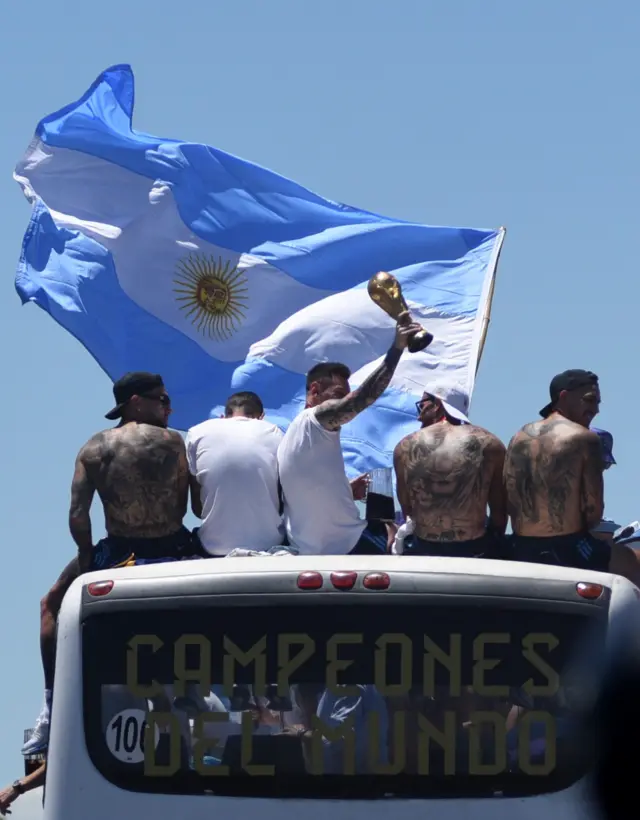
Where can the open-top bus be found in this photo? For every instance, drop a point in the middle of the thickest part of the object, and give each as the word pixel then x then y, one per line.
pixel 388 685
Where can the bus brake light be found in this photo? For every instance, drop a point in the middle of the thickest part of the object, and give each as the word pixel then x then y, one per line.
pixel 376 580
pixel 344 580
pixel 310 580
pixel 589 591
pixel 99 588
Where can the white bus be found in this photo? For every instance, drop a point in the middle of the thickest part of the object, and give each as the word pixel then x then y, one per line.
pixel 361 686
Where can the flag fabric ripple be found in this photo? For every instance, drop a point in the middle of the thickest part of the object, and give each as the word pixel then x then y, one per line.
pixel 221 275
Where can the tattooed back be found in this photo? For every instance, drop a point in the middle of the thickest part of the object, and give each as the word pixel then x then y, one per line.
pixel 553 477
pixel 446 473
pixel 140 473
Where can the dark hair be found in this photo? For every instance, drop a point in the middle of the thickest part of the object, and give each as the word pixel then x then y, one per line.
pixel 327 370
pixel 249 403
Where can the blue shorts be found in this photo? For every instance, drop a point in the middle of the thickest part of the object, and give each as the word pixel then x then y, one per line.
pixel 115 551
pixel 373 540
pixel 487 546
pixel 579 550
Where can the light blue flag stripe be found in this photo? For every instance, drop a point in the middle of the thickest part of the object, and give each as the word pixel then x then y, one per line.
pixel 72 278
pixel 238 205
pixel 77 272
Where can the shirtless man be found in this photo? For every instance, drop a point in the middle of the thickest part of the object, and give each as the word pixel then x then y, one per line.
pixel 447 474
pixel 554 480
pixel 139 470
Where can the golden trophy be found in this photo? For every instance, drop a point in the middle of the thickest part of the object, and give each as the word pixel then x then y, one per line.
pixel 386 292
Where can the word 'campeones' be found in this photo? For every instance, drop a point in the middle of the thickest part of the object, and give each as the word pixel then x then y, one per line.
pixel 393 664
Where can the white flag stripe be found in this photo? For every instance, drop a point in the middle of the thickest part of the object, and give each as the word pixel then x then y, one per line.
pixel 326 331
pixel 442 362
pixel 83 186
pixel 158 240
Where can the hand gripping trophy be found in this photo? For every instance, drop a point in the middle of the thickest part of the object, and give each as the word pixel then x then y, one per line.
pixel 386 292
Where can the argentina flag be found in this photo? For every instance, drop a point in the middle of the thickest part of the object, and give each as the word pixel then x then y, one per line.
pixel 221 275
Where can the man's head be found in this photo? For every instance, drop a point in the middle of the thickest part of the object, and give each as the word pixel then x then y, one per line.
pixel 141 397
pixel 245 404
pixel 575 394
pixel 328 380
pixel 430 410
pixel 433 409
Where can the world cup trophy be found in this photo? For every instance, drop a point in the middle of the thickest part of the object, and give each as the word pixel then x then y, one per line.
pixel 386 292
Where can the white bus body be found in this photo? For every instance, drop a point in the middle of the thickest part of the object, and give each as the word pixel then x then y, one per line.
pixel 80 783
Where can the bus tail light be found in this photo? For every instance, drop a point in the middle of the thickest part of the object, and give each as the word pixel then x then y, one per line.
pixel 344 580
pixel 310 580
pixel 589 591
pixel 99 588
pixel 376 580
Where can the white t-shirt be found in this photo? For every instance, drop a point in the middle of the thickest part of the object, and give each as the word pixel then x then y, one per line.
pixel 320 514
pixel 235 463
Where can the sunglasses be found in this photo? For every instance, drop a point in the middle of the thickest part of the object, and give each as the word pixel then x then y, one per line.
pixel 420 404
pixel 165 400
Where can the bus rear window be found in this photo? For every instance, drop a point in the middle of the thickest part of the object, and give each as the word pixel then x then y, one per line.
pixel 341 700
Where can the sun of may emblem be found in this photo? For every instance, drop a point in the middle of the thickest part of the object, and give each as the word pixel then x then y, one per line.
pixel 212 293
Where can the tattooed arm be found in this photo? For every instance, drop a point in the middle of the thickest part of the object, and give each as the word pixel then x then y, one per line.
pixel 335 413
pixel 497 491
pixel 82 492
pixel 401 482
pixel 592 482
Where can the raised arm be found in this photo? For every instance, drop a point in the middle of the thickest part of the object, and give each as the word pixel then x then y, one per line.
pixel 497 500
pixel 82 492
pixel 333 414
pixel 592 484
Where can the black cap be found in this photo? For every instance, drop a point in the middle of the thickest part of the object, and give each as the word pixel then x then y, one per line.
pixel 132 384
pixel 569 380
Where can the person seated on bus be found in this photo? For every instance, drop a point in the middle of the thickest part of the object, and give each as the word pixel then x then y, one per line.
pixel 607 528
pixel 411 711
pixel 447 473
pixel 434 730
pixel 319 510
pixel 555 487
pixel 234 478
pixel 139 470
pixel 365 709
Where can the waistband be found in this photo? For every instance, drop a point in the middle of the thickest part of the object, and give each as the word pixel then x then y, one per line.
pixel 568 539
pixel 485 546
pixel 486 537
pixel 166 545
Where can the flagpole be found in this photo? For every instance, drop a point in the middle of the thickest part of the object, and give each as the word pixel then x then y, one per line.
pixel 487 314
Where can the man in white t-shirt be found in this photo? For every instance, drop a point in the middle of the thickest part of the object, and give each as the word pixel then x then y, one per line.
pixel 234 478
pixel 319 510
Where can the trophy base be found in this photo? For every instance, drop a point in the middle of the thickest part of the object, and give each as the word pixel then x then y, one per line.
pixel 419 341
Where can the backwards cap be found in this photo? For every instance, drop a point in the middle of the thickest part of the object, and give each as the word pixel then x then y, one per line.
pixel 569 380
pixel 132 384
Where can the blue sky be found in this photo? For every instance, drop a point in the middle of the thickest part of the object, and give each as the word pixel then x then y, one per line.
pixel 463 113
